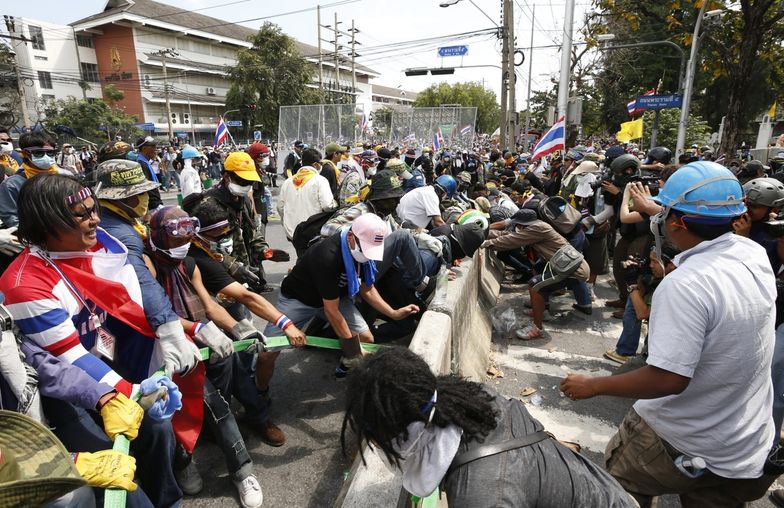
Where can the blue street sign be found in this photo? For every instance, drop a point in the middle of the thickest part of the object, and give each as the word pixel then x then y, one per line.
pixel 234 123
pixel 659 101
pixel 453 51
pixel 257 135
pixel 148 126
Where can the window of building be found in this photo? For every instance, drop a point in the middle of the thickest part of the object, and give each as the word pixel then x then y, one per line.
pixel 47 98
pixel 45 79
pixel 90 73
pixel 84 41
pixel 37 37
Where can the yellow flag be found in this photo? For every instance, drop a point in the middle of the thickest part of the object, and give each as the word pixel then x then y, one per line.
pixel 630 130
pixel 772 111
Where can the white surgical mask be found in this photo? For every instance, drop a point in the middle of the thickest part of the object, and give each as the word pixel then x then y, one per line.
pixel 179 252
pixel 356 253
pixel 239 190
pixel 6 147
pixel 371 171
pixel 42 162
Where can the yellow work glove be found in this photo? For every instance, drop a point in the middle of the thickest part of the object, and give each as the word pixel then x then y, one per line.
pixel 107 469
pixel 122 416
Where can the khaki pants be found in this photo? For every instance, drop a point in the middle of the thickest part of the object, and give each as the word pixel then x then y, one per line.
pixel 643 464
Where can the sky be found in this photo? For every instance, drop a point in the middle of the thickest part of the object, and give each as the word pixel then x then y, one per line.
pixel 382 22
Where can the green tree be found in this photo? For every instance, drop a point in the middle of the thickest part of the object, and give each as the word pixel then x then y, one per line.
pixel 697 131
pixel 382 119
pixel 270 74
pixel 10 101
pixel 471 94
pixel 92 119
pixel 112 95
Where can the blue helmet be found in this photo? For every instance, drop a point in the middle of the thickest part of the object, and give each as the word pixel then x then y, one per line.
pixel 190 153
pixel 448 183
pixel 703 188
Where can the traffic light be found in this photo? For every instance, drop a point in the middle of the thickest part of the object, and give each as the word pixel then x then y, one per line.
pixel 442 70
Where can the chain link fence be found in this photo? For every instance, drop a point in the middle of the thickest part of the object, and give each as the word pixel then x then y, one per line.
pixel 419 126
pixel 318 125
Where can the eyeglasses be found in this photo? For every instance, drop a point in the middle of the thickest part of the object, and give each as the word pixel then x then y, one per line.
pixel 88 213
pixel 184 226
pixel 38 152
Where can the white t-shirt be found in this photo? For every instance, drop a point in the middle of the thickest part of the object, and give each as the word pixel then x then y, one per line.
pixel 418 205
pixel 712 321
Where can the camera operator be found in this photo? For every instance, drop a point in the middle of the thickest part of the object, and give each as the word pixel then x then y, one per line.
pixel 657 158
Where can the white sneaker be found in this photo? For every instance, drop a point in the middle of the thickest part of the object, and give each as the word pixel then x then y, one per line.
pixel 250 492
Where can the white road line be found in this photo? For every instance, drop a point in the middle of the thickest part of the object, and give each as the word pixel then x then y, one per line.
pixel 525 359
pixel 590 432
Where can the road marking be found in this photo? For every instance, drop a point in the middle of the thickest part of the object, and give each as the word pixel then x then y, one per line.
pixel 528 359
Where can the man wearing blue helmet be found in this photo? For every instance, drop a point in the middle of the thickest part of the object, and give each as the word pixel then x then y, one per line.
pixel 422 206
pixel 706 392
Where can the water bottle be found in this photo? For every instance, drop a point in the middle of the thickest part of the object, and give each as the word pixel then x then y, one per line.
pixel 693 467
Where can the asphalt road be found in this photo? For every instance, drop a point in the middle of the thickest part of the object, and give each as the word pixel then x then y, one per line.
pixel 308 471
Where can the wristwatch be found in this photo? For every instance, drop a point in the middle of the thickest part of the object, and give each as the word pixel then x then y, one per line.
pixel 631 287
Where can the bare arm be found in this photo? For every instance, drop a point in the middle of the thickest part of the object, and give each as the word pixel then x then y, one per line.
pixel 336 319
pixel 437 220
pixel 371 296
pixel 644 383
pixel 640 307
pixel 215 312
pixel 628 217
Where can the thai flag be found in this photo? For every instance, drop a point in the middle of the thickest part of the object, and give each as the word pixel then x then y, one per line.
pixel 552 140
pixel 465 131
pixel 221 132
pixel 631 107
pixel 438 140
pixel 363 123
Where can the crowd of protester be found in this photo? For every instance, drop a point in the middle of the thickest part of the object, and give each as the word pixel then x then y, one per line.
pixel 110 293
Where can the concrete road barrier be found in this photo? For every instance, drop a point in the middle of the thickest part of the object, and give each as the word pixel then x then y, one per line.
pixel 454 335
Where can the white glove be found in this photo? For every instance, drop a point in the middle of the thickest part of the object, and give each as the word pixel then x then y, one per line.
pixel 179 354
pixel 425 241
pixel 212 337
pixel 9 244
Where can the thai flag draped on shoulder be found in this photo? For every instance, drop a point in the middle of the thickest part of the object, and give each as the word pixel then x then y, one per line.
pixel 221 132
pixel 552 140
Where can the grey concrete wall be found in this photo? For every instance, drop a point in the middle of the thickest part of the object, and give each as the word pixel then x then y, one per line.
pixel 453 336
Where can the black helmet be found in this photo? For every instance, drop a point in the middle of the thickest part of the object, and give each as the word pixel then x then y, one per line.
pixel 469 237
pixel 659 154
pixel 624 162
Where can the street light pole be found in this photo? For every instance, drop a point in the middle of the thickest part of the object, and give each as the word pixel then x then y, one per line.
pixel 689 83
pixel 566 60
pixel 530 72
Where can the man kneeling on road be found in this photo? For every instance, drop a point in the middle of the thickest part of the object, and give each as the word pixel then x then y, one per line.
pixel 326 279
pixel 706 391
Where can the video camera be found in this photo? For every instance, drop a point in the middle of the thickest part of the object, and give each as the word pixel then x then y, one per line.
pixel 650 181
pixel 774 228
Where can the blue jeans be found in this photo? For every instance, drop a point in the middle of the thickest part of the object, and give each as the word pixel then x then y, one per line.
pixel 517 260
pixel 226 378
pixel 777 370
pixel 580 289
pixel 153 449
pixel 629 340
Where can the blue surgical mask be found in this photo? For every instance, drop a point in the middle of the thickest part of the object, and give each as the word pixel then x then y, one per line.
pixel 42 162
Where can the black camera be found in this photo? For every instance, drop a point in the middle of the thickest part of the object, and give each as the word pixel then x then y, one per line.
pixel 6 321
pixel 650 181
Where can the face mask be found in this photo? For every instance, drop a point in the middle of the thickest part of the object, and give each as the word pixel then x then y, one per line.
pixel 371 171
pixel 265 162
pixel 225 245
pixel 356 253
pixel 144 204
pixel 6 147
pixel 42 162
pixel 239 190
pixel 179 252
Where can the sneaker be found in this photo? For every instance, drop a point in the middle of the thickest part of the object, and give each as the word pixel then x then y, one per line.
pixel 189 479
pixel 250 492
pixel 530 332
pixel 616 357
pixel 271 434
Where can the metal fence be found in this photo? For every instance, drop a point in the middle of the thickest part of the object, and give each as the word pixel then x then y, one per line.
pixel 420 126
pixel 318 125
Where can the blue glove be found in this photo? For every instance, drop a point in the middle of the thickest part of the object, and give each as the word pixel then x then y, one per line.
pixel 163 408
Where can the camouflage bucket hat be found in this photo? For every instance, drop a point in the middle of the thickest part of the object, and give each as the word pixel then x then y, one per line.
pixel 120 179
pixel 114 150
pixel 35 467
pixel 385 184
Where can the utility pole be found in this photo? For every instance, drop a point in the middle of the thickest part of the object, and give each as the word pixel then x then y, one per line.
pixel 354 60
pixel 566 62
pixel 502 135
pixel 163 53
pixel 320 55
pixel 512 76
pixel 530 71
pixel 337 56
pixel 689 83
pixel 10 23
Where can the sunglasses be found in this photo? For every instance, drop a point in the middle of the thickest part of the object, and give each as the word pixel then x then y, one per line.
pixel 38 152
pixel 184 226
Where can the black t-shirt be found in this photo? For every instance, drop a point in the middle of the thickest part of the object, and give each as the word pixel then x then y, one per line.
pixel 318 275
pixel 214 275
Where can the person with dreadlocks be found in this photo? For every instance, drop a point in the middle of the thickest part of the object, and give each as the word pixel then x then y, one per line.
pixel 72 293
pixel 436 428
pixel 38 151
pixel 223 277
pixel 171 232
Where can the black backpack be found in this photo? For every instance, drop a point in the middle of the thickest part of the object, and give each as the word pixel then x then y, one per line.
pixel 308 232
pixel 561 215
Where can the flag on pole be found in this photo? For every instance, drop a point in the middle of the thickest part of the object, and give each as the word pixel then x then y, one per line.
pixel 466 130
pixel 438 140
pixel 632 108
pixel 552 140
pixel 363 123
pixel 630 130
pixel 221 132
pixel 772 111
